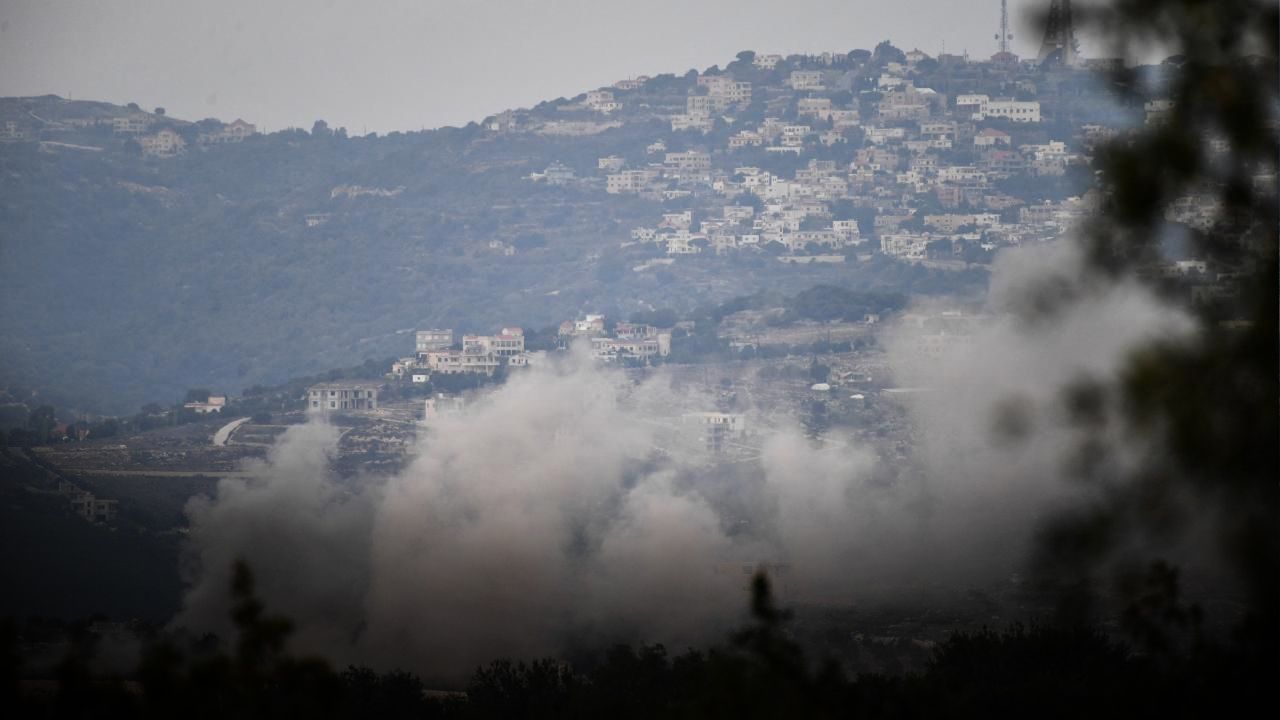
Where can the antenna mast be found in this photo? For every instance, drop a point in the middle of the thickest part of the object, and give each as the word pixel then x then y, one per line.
pixel 1005 36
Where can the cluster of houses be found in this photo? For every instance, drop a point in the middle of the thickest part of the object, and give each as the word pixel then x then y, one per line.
pixel 437 351
pixel 918 151
pixel 157 135
pixel 901 167
pixel 440 352
pixel 626 342
pixel 167 142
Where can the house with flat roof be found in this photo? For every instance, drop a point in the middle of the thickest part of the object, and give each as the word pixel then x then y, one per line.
pixel 345 397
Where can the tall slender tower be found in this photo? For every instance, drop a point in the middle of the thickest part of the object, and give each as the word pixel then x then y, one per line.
pixel 1059 36
pixel 1004 36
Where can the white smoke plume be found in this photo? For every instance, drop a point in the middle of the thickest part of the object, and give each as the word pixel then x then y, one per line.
pixel 557 513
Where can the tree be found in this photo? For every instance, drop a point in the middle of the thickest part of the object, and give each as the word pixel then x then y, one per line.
pixel 926 67
pixel 197 395
pixel 886 53
pixel 1200 409
pixel 818 372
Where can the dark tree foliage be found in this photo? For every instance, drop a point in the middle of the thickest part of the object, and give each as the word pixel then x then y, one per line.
pixel 761 672
pixel 826 302
pixel 1201 410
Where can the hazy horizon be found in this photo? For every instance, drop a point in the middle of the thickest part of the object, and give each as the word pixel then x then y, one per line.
pixel 412 65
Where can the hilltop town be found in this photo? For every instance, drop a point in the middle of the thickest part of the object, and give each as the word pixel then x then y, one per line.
pixel 883 169
pixel 833 158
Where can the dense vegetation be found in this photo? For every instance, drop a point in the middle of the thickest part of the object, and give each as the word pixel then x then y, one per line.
pixel 1054 672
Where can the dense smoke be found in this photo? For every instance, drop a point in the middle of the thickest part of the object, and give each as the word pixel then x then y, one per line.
pixel 561 511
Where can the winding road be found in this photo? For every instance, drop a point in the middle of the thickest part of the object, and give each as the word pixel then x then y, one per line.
pixel 221 437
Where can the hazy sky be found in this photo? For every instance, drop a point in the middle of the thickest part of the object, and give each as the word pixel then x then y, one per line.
pixel 381 65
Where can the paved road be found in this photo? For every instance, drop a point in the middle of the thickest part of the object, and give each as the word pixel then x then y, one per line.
pixel 221 437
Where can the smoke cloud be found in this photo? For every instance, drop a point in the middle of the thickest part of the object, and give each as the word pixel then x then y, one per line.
pixel 563 510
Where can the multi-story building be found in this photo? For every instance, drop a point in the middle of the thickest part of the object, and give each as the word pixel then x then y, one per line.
pixel 232 133
pixel 702 122
pixel 165 143
pixel 590 325
pixel 906 246
pixel 805 80
pixel 812 106
pixel 688 160
pixel 342 397
pixel 435 339
pixel 726 88
pixel 744 138
pixel 449 362
pixel 509 342
pixel 130 124
pixel 714 430
pixel 704 104
pixel 601 101
pixel 1022 111
pixel 630 181
pixel 440 405
pixel 93 509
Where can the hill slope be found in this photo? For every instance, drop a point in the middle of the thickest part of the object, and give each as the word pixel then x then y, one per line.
pixel 126 278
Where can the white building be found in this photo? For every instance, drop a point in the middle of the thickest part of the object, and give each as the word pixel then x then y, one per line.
pixel 214 404
pixel 714 430
pixel 630 181
pixel 602 101
pixel 509 342
pixel 1022 111
pixel 165 143
pixel 428 340
pixel 610 163
pixel 767 62
pixel 130 124
pixel 590 325
pixel 341 397
pixel 440 405
pixel 688 160
pixel 558 173
pixel 232 133
pixel 805 80
pixel 905 246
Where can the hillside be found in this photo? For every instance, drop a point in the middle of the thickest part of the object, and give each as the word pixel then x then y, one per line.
pixel 135 263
